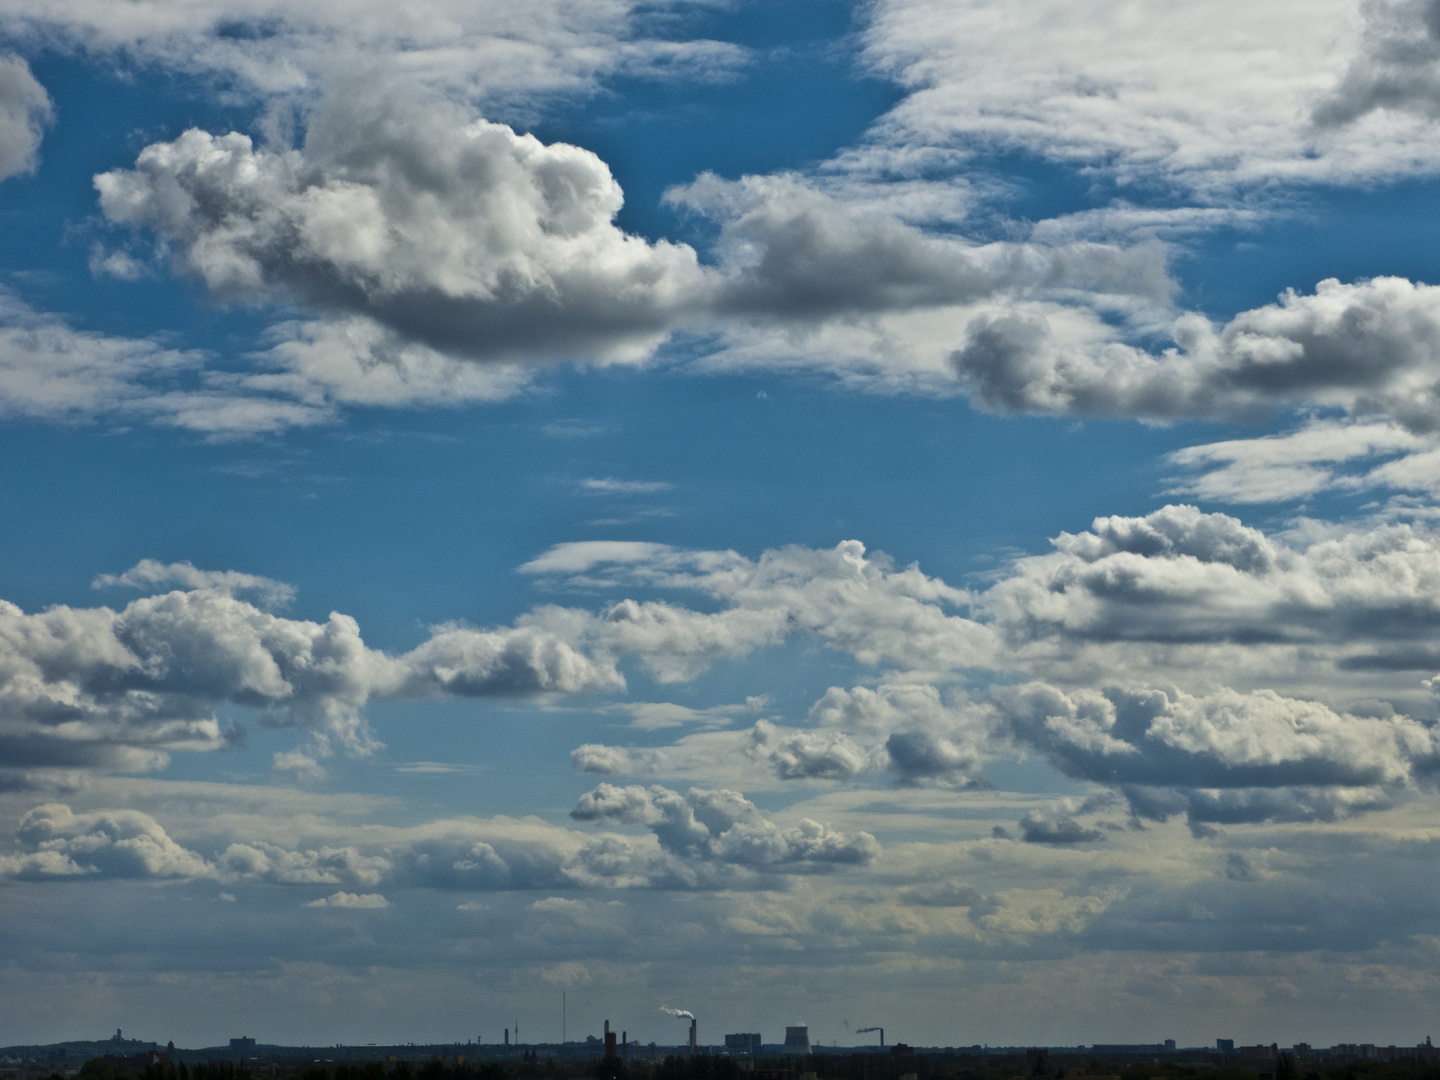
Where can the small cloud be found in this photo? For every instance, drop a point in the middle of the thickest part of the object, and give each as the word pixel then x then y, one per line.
pixel 572 429
pixel 470 905
pixel 1039 828
pixel 302 765
pixel 1238 868
pixel 428 767
pixel 149 574
pixel 116 264
pixel 351 900
pixel 229 898
pixel 566 974
pixel 558 904
pixel 610 486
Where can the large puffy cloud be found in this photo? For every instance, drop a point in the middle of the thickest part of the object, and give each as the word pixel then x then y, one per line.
pixel 1207 95
pixel 723 826
pixel 105 843
pixel 24 112
pixel 455 232
pixel 1181 576
pixel 1223 756
pixel 1369 348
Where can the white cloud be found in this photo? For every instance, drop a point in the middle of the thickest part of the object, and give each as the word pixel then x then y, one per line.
pixel 608 485
pixel 99 688
pixel 1224 756
pixel 1189 578
pixel 1292 465
pixel 501 248
pixel 102 844
pixel 491 49
pixel 359 901
pixel 805 755
pixel 723 826
pixel 25 110
pixel 149 572
pixel 856 603
pixel 1211 95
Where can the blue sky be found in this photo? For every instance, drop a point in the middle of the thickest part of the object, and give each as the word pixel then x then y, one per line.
pixel 903 513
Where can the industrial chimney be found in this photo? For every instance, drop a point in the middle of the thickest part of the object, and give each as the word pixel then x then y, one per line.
pixel 693 1047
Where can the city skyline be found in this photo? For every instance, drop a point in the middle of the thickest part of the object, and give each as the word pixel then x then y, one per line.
pixel 921 512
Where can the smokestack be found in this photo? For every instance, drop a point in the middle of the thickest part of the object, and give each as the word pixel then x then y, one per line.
pixel 507 1036
pixel 624 1044
pixel 609 1042
pixel 693 1047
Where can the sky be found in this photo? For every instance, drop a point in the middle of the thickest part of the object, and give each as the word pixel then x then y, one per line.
pixel 904 513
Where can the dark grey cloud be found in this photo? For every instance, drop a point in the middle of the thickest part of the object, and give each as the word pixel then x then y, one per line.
pixel 923 755
pixel 1039 827
pixel 1369 348
pixel 792 251
pixel 1398 66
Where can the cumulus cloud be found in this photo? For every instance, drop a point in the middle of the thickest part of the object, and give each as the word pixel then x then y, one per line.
pixel 103 844
pixel 1182 576
pixel 425 237
pixel 1224 756
pixel 25 110
pixel 806 755
pixel 730 845
pixel 1367 348
pixel 99 688
pixel 453 232
pixel 723 826
pixel 922 734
